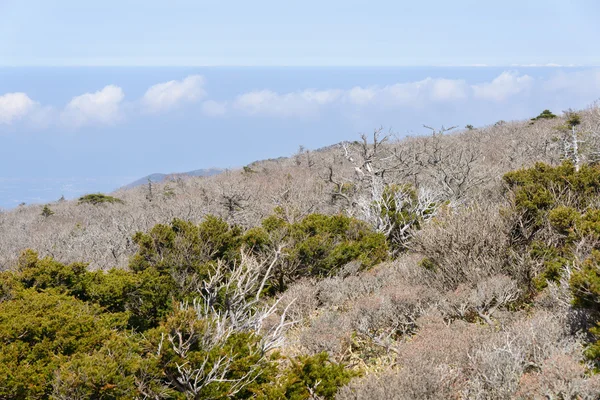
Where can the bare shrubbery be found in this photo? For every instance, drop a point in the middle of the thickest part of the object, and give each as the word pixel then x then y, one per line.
pixel 487 297
pixel 377 308
pixel 392 313
pixel 330 331
pixel 500 360
pixel 337 291
pixel 464 246
pixel 429 366
pixel 533 357
pixel 561 376
pixel 300 299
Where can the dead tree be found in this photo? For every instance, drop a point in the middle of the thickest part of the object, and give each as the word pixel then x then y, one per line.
pixel 571 141
pixel 229 302
pixel 389 206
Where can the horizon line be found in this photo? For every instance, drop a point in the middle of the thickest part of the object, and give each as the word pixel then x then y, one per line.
pixel 284 65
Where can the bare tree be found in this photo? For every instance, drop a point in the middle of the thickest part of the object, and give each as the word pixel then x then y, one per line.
pixel 229 303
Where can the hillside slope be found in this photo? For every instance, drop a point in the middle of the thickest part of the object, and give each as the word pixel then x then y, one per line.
pixel 459 264
pixel 464 165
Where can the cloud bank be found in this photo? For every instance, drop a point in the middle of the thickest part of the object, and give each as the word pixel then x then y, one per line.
pixel 504 86
pixel 107 106
pixel 309 102
pixel 269 103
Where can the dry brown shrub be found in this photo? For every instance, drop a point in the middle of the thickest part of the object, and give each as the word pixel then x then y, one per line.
pixel 336 291
pixel 484 300
pixel 500 360
pixel 392 312
pixel 530 358
pixel 331 332
pixel 562 376
pixel 464 246
pixel 300 300
pixel 380 305
pixel 430 365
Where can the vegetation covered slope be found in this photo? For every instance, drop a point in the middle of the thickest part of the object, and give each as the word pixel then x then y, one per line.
pixel 459 166
pixel 455 265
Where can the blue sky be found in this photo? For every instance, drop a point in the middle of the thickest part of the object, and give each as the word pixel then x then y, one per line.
pixel 95 94
pixel 308 32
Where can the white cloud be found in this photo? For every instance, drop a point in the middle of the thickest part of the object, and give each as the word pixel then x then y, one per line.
pixel 507 84
pixel 101 107
pixel 213 108
pixel 415 93
pixel 14 106
pixel 303 103
pixel 310 101
pixel 168 95
pixel 585 83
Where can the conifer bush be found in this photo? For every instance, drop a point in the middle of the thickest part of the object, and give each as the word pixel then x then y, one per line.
pixel 98 199
pixel 558 224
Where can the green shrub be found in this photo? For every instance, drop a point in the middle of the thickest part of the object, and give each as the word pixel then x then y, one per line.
pixel 543 189
pixel 311 377
pixel 319 245
pixel 585 283
pixel 47 211
pixel 585 287
pixel 185 247
pixel 45 273
pixel 552 259
pixel 146 295
pixel 41 331
pixel 564 219
pixel 564 200
pixel 114 371
pixel 546 114
pixel 99 198
pixel 573 119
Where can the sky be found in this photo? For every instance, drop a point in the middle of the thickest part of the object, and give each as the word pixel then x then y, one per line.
pixel 294 33
pixel 96 94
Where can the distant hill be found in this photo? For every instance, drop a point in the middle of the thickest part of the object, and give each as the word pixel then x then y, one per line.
pixel 158 177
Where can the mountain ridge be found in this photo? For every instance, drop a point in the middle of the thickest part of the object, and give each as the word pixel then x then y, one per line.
pixel 161 177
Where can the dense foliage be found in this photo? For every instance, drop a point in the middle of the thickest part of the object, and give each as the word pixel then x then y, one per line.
pixel 557 221
pixel 68 332
pixel 316 246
